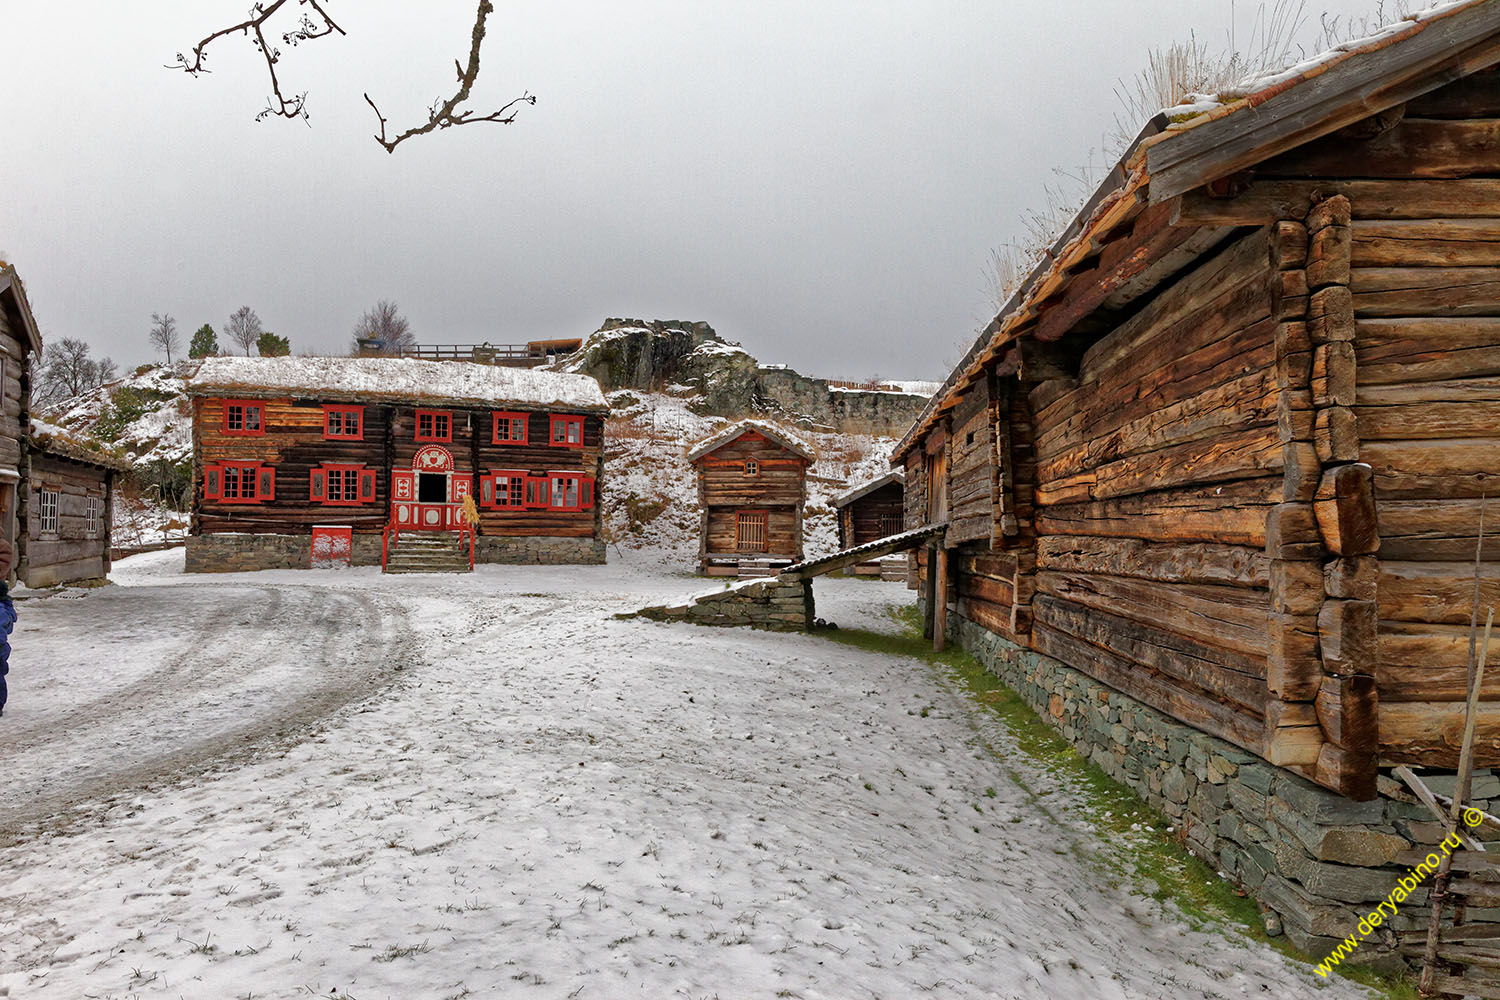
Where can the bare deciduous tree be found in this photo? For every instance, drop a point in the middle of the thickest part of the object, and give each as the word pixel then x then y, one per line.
pixel 67 370
pixel 164 334
pixel 385 325
pixel 244 328
pixel 440 115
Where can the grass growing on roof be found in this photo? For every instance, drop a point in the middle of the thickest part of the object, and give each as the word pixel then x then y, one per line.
pixel 1133 845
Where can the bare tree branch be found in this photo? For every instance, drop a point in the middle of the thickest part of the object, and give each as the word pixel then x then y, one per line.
pixel 445 114
pixel 279 105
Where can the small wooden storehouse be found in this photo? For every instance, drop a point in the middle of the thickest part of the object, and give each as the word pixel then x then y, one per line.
pixel 752 484
pixel 369 460
pixel 20 342
pixel 1219 465
pixel 65 531
pixel 869 512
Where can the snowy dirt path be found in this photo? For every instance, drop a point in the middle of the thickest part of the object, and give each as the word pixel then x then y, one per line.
pixel 149 687
pixel 552 803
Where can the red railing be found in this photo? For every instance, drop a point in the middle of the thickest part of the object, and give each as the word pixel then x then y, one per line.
pixel 392 534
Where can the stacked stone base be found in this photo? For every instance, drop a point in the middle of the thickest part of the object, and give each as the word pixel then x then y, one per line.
pixel 1318 861
pixel 781 604
pixel 231 552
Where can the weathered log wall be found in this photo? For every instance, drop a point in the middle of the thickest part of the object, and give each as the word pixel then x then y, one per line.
pixel 71 552
pixel 777 485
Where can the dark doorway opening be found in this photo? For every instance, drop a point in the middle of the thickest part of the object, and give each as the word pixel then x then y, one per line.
pixel 432 488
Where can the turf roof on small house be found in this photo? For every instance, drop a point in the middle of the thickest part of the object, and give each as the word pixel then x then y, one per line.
pixel 727 434
pixel 865 489
pixel 50 439
pixel 1213 137
pixel 397 380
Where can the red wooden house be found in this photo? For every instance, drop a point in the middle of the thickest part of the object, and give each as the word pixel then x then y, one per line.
pixel 369 460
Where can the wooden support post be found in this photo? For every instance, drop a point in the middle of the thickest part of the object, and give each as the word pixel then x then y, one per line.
pixel 929 590
pixel 940 605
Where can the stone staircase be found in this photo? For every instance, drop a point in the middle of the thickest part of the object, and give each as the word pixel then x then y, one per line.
pixel 428 552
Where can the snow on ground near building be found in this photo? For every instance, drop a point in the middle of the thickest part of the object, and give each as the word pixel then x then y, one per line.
pixel 543 801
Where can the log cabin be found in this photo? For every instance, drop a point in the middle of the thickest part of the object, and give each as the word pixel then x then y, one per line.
pixel 752 485
pixel 66 524
pixel 369 461
pixel 20 345
pixel 1219 464
pixel 872 511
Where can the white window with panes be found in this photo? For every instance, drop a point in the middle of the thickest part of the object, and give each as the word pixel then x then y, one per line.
pixel 93 512
pixel 47 513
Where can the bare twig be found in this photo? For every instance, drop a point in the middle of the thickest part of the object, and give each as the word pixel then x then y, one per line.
pixel 279 105
pixel 445 114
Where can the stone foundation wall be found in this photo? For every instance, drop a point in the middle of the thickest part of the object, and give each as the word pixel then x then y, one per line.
pixel 540 550
pixel 1316 860
pixel 781 604
pixel 234 552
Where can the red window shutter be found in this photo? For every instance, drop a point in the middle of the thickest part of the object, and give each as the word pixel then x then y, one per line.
pixel 538 491
pixel 461 486
pixel 367 484
pixel 319 489
pixel 403 485
pixel 267 487
pixel 487 491
pixel 212 476
pixel 586 492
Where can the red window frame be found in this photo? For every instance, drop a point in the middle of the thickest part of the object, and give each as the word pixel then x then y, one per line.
pixel 583 497
pixel 247 407
pixel 514 489
pixel 555 421
pixel 343 413
pixel 509 418
pixel 257 476
pixel 538 491
pixel 321 479
pixel 432 435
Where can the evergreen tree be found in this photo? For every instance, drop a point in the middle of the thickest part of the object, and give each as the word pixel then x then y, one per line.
pixel 271 346
pixel 205 343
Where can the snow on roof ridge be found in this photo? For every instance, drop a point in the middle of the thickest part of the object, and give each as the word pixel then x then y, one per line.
pixel 853 493
pixel 398 379
pixel 723 436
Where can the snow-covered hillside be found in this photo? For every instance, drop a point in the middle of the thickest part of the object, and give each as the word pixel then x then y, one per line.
pixel 650 492
pixel 145 415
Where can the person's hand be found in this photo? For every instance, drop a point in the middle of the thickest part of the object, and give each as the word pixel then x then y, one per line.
pixel 7 558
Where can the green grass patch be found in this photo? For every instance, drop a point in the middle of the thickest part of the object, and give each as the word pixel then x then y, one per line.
pixel 1132 842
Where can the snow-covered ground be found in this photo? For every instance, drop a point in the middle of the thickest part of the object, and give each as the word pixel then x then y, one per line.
pixel 543 802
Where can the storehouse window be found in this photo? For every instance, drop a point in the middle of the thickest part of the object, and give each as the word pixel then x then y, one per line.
pixel 571 492
pixel 92 509
pixel 48 504
pixel 510 428
pixel 341 485
pixel 891 523
pixel 343 423
pixel 434 425
pixel 567 432
pixel 244 417
pixel 750 531
pixel 239 482
pixel 752 467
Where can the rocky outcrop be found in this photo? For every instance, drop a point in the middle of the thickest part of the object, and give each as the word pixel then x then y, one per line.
pixel 657 355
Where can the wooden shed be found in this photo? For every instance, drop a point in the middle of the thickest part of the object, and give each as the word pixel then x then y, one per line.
pixel 871 511
pixel 1226 448
pixel 370 460
pixel 20 343
pixel 66 522
pixel 752 485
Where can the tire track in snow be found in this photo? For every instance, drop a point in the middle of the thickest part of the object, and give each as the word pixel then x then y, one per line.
pixel 252 666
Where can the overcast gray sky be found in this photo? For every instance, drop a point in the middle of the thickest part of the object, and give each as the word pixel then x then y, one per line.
pixel 821 181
